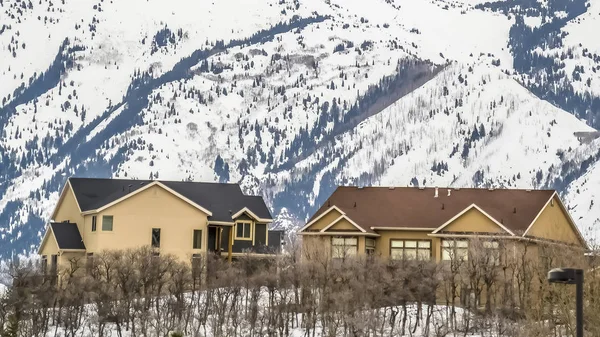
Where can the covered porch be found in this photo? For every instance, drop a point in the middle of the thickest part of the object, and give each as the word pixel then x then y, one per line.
pixel 220 240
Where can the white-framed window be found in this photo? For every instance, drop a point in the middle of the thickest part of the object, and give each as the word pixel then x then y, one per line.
pixel 107 223
pixel 370 246
pixel 342 247
pixel 455 249
pixel 410 249
pixel 243 231
pixel 492 251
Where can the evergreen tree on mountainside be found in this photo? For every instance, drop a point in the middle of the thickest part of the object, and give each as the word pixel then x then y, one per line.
pixel 221 169
pixel 548 77
pixel 376 95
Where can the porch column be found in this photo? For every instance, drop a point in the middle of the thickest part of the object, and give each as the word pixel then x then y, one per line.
pixel 230 248
pixel 219 238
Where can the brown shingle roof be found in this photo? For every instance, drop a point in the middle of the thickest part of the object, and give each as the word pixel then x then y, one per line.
pixel 411 207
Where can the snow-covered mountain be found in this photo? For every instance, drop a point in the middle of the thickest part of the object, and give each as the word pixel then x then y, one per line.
pixel 293 97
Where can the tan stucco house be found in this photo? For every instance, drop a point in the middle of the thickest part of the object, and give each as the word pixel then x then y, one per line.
pixel 185 219
pixel 433 223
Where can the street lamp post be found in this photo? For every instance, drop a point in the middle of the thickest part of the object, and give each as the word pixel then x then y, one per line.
pixel 571 276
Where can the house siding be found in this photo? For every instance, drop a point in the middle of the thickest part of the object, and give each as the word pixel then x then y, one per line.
pixel 67 209
pixel 324 221
pixel 49 246
pixel 473 221
pixel 554 224
pixel 134 219
pixel 243 217
pixel 260 234
pixel 342 225
pixel 77 258
pixel 91 238
pixel 316 247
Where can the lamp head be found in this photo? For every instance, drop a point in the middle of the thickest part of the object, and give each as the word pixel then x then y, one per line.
pixel 563 275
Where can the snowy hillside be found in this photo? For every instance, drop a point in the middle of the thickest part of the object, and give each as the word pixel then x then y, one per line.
pixel 293 97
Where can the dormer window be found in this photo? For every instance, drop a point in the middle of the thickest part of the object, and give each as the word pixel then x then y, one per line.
pixel 243 231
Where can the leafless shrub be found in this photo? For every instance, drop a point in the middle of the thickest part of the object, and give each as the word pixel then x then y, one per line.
pixel 497 291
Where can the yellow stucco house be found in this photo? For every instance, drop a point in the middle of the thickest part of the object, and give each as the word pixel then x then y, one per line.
pixel 433 223
pixel 185 219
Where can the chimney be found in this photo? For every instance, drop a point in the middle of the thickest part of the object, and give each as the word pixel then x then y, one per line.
pixel 443 206
pixel 355 204
pixel 449 192
pixel 436 193
pixel 515 210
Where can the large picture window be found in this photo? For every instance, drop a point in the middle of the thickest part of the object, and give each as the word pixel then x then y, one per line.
pixel 243 231
pixel 342 247
pixel 455 249
pixel 410 250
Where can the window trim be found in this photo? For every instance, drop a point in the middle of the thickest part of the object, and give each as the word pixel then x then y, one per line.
pixel 251 223
pixel 496 259
pixel 152 243
pixel 416 248
pixel 112 223
pixel 370 249
pixel 344 246
pixel 94 223
pixel 194 239
pixel 443 248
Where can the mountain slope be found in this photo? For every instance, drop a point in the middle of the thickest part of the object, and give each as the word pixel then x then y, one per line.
pixel 291 98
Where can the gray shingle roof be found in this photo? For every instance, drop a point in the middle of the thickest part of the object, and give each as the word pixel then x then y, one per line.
pixel 222 200
pixel 67 235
